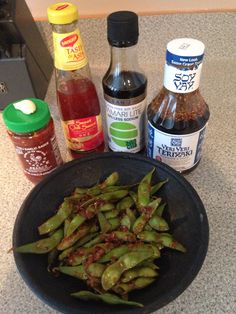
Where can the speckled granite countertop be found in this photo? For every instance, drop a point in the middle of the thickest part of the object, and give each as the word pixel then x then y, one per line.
pixel 213 290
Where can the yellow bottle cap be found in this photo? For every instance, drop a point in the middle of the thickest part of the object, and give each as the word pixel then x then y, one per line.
pixel 62 13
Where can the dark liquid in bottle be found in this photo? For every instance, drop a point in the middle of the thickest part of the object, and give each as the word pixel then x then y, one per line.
pixel 78 99
pixel 181 114
pixel 178 113
pixel 125 85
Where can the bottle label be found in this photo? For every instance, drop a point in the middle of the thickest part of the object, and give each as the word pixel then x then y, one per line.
pixel 83 134
pixel 182 74
pixel 40 159
pixel 69 51
pixel 181 152
pixel 125 123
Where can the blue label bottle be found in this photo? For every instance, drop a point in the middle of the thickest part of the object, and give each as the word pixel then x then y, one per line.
pixel 178 115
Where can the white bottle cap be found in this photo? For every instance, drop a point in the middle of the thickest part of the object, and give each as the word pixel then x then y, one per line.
pixel 26 106
pixel 183 65
pixel 186 47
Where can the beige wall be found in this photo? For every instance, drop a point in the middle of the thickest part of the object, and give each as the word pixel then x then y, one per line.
pixel 100 8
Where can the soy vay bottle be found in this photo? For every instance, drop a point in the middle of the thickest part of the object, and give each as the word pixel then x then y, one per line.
pixel 76 93
pixel 31 130
pixel 178 115
pixel 124 85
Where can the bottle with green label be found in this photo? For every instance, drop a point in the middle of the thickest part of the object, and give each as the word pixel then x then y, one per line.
pixel 124 85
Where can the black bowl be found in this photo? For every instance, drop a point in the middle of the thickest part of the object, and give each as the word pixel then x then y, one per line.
pixel 185 213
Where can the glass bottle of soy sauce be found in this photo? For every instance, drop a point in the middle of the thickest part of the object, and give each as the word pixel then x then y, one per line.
pixel 178 115
pixel 124 85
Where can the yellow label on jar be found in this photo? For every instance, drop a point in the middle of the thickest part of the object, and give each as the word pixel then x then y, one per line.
pixel 69 51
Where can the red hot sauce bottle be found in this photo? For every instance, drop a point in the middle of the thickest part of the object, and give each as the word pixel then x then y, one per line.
pixel 76 93
pixel 178 115
pixel 31 130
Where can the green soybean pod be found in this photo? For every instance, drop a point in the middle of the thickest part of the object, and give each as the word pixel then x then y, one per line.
pixel 114 253
pixel 56 220
pixel 140 271
pixel 74 271
pixel 136 284
pixel 144 189
pixel 105 297
pixel 114 271
pixel 42 246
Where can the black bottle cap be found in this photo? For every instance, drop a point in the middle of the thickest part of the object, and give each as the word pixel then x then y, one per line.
pixel 122 28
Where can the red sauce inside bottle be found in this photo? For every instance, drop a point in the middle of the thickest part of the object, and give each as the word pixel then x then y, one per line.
pixel 38 152
pixel 78 99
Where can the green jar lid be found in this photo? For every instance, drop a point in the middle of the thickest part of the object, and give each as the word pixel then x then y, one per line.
pixel 19 122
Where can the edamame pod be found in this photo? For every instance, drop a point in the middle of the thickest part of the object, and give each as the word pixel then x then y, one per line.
pixel 114 195
pixel 146 214
pixel 113 272
pixel 144 189
pixel 141 271
pixel 55 221
pixel 126 202
pixel 103 223
pixel 68 241
pixel 158 223
pixel 78 244
pixel 111 213
pixel 164 239
pixel 115 253
pixel 112 179
pixel 97 189
pixel 138 283
pixel 125 222
pixel 42 246
pixel 106 297
pixel 117 236
pixel 160 209
pixel 77 221
pixel 114 222
pixel 74 271
pixel 95 269
pixel 157 186
pixel 106 207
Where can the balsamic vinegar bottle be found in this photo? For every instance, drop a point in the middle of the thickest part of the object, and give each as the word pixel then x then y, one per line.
pixel 178 115
pixel 124 85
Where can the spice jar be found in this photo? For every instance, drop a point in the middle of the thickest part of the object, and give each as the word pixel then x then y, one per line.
pixel 178 115
pixel 31 129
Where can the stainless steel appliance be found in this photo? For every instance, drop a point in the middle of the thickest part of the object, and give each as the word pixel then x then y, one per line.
pixel 26 65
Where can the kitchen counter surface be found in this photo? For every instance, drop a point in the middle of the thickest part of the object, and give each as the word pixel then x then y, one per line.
pixel 213 290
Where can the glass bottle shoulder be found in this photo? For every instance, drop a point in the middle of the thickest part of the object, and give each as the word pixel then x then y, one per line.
pixel 177 113
pixel 124 84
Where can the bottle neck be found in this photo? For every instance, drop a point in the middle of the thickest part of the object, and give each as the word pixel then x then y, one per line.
pixel 64 28
pixel 182 79
pixel 69 52
pixel 124 59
